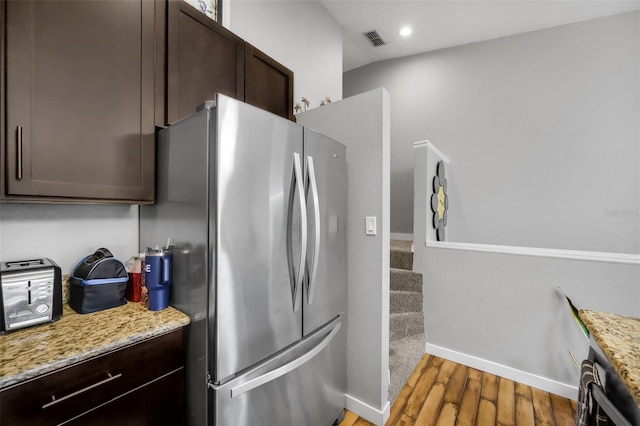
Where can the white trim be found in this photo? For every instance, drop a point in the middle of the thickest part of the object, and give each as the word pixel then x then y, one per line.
pixel 593 256
pixel 366 411
pixel 535 381
pixel 402 237
pixel 433 149
pixel 421 144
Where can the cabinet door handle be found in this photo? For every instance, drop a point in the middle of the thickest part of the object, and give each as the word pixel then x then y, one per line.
pixel 54 401
pixel 19 150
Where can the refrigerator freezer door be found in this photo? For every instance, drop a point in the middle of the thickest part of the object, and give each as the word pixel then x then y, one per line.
pixel 305 385
pixel 325 293
pixel 252 308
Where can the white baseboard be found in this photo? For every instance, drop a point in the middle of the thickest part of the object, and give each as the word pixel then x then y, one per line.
pixel 539 382
pixel 366 411
pixel 403 237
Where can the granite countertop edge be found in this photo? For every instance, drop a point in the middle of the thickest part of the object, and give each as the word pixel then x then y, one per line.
pixel 36 351
pixel 619 339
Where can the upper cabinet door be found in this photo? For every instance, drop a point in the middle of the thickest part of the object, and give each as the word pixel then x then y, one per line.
pixel 79 101
pixel 268 84
pixel 203 58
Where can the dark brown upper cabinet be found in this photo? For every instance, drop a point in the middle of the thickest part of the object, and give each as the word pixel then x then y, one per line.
pixel 268 84
pixel 203 58
pixel 78 91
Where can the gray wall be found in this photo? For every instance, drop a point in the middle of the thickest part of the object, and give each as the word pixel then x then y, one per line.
pixel 66 233
pixel 541 129
pixel 503 313
pixel 362 124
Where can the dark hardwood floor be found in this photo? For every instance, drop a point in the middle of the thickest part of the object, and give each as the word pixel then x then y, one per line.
pixel 441 392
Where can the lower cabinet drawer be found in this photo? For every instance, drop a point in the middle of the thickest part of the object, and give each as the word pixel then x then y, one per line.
pixel 67 393
pixel 160 402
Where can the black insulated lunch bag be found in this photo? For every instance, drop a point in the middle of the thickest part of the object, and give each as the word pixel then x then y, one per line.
pixel 98 282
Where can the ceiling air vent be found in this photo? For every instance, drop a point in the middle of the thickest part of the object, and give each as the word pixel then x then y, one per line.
pixel 374 38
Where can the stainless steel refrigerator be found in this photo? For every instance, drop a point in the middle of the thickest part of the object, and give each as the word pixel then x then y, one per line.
pixel 255 206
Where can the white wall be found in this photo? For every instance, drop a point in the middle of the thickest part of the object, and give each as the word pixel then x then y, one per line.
pixel 301 35
pixel 362 124
pixel 66 233
pixel 541 128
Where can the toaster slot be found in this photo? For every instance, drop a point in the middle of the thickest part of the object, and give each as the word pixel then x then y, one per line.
pixel 25 263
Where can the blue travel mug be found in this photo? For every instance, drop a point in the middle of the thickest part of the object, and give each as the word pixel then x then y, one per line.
pixel 157 275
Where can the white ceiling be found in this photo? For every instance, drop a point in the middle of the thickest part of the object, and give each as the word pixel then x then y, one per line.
pixel 439 24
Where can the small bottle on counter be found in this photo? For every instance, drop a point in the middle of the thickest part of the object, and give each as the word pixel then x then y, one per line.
pixel 133 292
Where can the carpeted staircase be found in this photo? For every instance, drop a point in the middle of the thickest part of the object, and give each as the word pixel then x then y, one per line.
pixel 406 320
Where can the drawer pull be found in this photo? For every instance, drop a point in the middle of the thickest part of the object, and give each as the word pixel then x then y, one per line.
pixel 78 392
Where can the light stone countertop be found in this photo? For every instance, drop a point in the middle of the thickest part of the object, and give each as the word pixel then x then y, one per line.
pixel 33 351
pixel 619 338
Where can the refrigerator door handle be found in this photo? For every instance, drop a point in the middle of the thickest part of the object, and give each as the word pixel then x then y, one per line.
pixel 297 182
pixel 286 368
pixel 316 213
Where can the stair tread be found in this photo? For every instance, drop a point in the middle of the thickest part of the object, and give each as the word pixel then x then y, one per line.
pixel 403 271
pixel 402 314
pixel 404 291
pixel 401 245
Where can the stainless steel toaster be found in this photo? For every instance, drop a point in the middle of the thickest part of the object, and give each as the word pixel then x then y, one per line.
pixel 30 293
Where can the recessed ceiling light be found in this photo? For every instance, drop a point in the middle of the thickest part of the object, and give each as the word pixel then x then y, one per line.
pixel 405 31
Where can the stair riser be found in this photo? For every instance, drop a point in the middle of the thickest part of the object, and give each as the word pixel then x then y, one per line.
pixel 405 301
pixel 405 280
pixel 405 325
pixel 401 260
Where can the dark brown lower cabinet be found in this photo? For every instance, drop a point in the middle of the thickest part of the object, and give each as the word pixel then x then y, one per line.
pixel 142 384
pixel 157 403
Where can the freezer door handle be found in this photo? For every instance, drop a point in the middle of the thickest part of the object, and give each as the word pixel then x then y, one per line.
pixel 313 186
pixel 297 182
pixel 287 368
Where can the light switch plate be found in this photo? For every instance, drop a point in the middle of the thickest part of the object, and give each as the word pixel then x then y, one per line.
pixel 370 225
